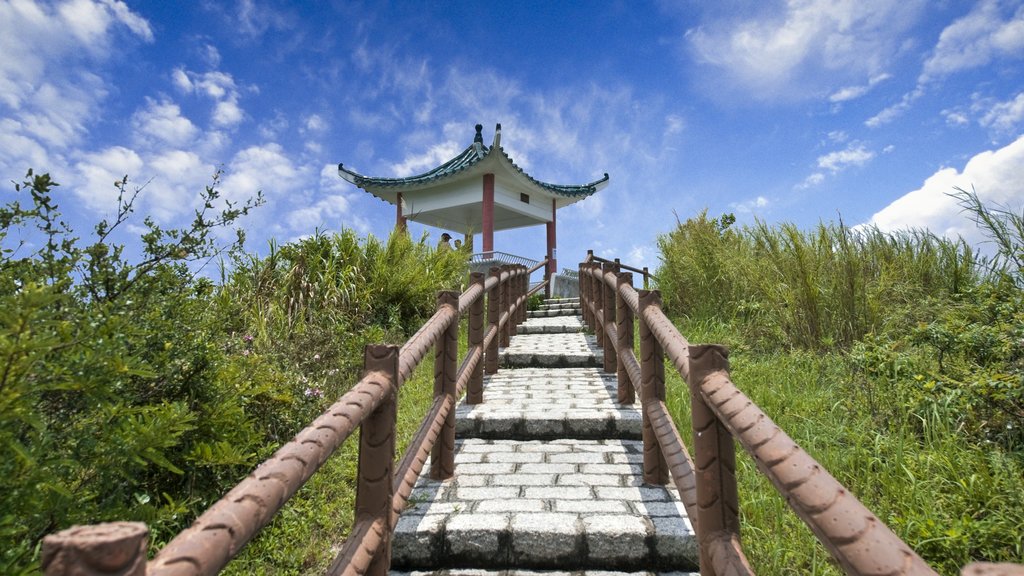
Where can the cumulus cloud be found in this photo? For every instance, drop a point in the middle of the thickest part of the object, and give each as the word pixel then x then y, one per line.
pixel 810 45
pixel 219 87
pixel 161 123
pixel 994 174
pixel 266 168
pixel 49 90
pixel 98 173
pixel 987 32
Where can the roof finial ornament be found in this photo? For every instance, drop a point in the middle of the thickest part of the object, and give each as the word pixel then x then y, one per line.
pixel 478 140
pixel 497 136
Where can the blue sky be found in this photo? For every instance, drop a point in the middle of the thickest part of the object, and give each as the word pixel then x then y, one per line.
pixel 799 110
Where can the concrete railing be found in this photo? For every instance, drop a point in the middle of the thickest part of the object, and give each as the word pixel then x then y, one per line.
pixel 383 487
pixel 720 413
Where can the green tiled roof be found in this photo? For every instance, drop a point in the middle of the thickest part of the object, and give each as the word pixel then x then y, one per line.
pixel 471 156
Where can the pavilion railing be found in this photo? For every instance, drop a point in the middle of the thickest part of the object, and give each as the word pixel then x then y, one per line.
pixel 720 413
pixel 503 258
pixel 383 487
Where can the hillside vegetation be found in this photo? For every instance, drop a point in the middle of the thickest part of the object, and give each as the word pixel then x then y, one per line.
pixel 896 360
pixel 133 389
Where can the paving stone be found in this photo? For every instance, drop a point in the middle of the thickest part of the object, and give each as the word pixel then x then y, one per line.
pixel 616 539
pixel 512 505
pixel 548 476
pixel 477 537
pixel 545 539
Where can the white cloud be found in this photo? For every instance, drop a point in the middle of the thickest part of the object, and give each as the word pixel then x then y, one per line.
pixel 955 117
pixel 811 45
pixel 995 175
pixel 854 92
pixel 811 181
pixel 161 122
pixel 267 168
pixel 751 205
pixel 987 32
pixel 315 123
pixel 854 155
pixel 431 158
pixel 98 172
pixel 896 110
pixel 218 86
pixel 49 90
pixel 1004 116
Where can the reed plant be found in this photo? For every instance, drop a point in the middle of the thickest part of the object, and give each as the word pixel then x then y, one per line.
pixel 894 359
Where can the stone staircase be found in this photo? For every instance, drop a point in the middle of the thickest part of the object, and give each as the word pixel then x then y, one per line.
pixel 548 473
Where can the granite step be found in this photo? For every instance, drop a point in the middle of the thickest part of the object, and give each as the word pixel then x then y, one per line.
pixel 574 300
pixel 551 351
pixel 544 403
pixel 551 325
pixel 475 572
pixel 557 311
pixel 560 504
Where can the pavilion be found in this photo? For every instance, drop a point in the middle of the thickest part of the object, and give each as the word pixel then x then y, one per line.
pixel 479 190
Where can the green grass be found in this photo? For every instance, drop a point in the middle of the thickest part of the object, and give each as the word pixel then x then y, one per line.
pixel 307 533
pixel 950 499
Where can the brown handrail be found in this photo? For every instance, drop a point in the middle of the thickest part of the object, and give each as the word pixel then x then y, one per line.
pixel 646 273
pixel 859 541
pixel 218 534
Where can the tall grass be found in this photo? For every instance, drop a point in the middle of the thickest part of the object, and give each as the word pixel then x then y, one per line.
pixel 817 289
pixel 894 359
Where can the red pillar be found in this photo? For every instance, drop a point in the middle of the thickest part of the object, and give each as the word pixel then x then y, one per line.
pixel 399 218
pixel 488 215
pixel 552 247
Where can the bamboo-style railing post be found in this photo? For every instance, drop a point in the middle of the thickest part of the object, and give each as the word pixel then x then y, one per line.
pixel 608 307
pixel 581 288
pixel 374 489
pixel 446 355
pixel 524 287
pixel 581 283
pixel 646 279
pixel 475 388
pixel 652 376
pixel 714 459
pixel 506 304
pixel 97 550
pixel 597 294
pixel 493 315
pixel 624 332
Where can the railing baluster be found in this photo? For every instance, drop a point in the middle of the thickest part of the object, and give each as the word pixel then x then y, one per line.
pixel 597 294
pixel 608 316
pixel 718 519
pixel 652 374
pixel 442 459
pixel 374 489
pixel 475 390
pixel 506 299
pixel 624 331
pixel 493 316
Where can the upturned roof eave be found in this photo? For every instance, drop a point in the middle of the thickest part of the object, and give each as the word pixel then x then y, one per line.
pixel 475 160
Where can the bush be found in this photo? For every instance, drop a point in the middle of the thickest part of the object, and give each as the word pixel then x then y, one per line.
pixel 131 389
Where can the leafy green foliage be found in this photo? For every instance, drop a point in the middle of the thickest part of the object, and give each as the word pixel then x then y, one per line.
pixel 131 389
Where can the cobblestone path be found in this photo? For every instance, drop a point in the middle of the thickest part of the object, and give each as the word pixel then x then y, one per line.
pixel 548 473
